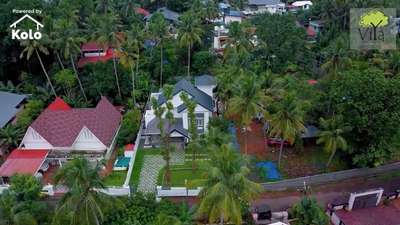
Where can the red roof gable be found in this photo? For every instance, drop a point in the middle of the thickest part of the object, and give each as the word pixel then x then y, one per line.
pixel 23 162
pixel 142 11
pixel 59 104
pixel 61 127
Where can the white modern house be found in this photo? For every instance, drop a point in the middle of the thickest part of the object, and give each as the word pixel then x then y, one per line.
pixel 63 130
pixel 264 6
pixel 201 92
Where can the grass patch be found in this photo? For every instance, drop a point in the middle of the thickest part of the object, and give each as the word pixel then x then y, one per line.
pixel 138 165
pixel 180 173
pixel 116 178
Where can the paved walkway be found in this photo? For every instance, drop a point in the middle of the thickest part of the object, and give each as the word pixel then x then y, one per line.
pixel 152 165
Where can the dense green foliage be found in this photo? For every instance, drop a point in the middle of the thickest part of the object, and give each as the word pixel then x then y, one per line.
pixel 308 212
pixel 129 127
pixel 21 204
pixel 143 209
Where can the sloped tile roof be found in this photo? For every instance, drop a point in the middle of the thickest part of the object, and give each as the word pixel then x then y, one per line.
pixel 205 80
pixel 200 97
pixel 23 162
pixel 8 104
pixel 61 127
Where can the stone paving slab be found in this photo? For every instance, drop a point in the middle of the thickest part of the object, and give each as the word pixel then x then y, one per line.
pixel 152 165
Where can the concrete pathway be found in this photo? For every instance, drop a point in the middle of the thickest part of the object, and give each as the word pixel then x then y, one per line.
pixel 152 165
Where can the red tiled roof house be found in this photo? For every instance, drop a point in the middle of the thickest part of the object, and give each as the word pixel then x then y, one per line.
pixel 63 130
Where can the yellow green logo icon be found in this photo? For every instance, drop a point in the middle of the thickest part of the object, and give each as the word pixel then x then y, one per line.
pixel 374 18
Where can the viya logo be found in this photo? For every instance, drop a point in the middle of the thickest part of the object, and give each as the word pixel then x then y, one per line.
pixel 30 34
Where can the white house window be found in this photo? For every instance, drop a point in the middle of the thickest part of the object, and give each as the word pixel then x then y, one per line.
pixel 200 123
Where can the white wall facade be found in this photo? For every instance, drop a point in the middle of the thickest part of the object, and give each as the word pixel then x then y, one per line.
pixel 230 19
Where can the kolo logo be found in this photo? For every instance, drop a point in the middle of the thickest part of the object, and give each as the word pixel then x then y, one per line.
pixel 17 34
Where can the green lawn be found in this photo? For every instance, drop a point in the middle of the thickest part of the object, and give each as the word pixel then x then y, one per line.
pixel 180 173
pixel 116 178
pixel 137 166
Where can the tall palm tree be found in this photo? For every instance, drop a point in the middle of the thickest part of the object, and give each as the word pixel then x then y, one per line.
pixel 210 11
pixel 82 204
pixel 158 29
pixel 128 57
pixel 288 120
pixel 193 145
pixel 248 100
pixel 34 46
pixel 240 38
pixel 189 33
pixel 331 136
pixel 105 31
pixel 337 60
pixel 226 187
pixel 169 116
pixel 68 41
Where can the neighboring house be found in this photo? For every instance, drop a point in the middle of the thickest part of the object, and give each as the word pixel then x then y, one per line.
pixel 169 15
pixel 64 131
pixel 10 105
pixel 233 16
pixel 227 14
pixel 220 38
pixel 93 52
pixel 371 207
pixel 299 5
pixel 201 93
pixel 265 6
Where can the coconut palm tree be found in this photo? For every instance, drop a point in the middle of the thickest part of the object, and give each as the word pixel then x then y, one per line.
pixel 34 46
pixel 82 204
pixel 337 60
pixel 210 11
pixel 331 136
pixel 158 29
pixel 248 100
pixel 226 187
pixel 104 29
pixel 68 41
pixel 189 33
pixel 288 120
pixel 194 144
pixel 128 57
pixel 240 38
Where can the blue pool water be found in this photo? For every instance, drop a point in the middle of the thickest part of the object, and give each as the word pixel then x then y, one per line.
pixel 271 170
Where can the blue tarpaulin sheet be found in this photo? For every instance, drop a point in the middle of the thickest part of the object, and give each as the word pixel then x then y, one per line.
pixel 271 170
